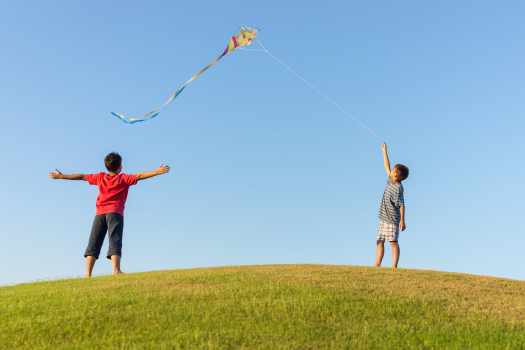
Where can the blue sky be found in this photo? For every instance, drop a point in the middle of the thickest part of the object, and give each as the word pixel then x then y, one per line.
pixel 264 170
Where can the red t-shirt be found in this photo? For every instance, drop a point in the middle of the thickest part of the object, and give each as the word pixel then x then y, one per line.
pixel 113 191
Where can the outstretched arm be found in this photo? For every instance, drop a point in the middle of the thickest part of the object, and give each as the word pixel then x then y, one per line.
pixel 386 161
pixel 163 169
pixel 58 175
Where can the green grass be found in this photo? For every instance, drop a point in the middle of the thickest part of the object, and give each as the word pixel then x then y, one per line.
pixel 267 307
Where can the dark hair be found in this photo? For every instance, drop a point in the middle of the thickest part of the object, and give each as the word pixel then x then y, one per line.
pixel 113 161
pixel 403 171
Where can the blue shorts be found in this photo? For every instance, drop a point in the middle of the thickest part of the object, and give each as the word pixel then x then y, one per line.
pixel 111 223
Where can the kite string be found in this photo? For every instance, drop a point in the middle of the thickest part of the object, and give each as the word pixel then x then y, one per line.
pixel 318 91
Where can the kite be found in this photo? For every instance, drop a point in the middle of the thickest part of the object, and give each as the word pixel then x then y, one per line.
pixel 244 38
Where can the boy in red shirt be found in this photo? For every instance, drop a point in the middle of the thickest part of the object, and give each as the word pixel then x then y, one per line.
pixel 113 191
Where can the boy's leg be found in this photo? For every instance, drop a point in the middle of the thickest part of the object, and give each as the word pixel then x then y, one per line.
pixel 115 264
pixel 380 242
pixel 115 232
pixel 90 262
pixel 395 254
pixel 96 238
pixel 380 252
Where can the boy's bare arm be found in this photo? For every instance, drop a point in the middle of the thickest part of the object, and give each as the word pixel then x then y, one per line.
pixel 58 175
pixel 402 225
pixel 386 161
pixel 163 169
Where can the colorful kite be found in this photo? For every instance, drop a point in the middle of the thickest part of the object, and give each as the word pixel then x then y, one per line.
pixel 244 38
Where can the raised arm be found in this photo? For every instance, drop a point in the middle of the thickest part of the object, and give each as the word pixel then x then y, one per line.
pixel 163 169
pixel 386 161
pixel 58 175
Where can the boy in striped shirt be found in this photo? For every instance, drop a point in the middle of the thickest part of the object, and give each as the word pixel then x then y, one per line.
pixel 391 211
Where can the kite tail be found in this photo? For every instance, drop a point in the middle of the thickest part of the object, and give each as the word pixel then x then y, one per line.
pixel 152 114
pixel 133 120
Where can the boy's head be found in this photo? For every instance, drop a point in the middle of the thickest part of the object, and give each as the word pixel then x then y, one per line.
pixel 399 173
pixel 113 162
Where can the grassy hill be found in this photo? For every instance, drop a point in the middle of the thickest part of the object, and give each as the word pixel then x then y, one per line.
pixel 267 307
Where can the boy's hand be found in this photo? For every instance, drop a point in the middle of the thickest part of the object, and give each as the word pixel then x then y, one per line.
pixel 402 226
pixel 163 169
pixel 384 147
pixel 56 175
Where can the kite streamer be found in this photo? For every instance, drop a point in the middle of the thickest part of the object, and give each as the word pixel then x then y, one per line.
pixel 244 38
